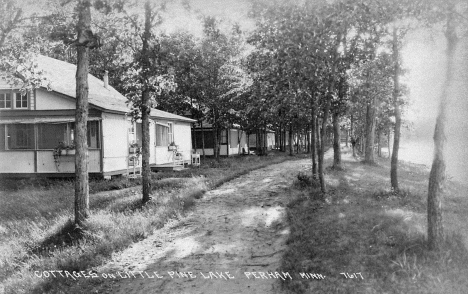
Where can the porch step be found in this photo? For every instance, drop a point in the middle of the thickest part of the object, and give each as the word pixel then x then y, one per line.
pixel 167 167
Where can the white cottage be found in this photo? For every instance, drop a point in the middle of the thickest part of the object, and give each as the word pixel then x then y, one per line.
pixel 32 126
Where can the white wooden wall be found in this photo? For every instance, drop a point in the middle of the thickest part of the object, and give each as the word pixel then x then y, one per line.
pixel 46 100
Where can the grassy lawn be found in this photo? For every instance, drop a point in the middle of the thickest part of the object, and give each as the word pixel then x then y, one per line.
pixel 37 232
pixel 363 228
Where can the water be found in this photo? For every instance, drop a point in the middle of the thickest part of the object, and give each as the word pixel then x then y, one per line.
pixel 422 152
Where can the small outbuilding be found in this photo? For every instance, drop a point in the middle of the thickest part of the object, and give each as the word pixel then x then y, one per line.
pixel 37 129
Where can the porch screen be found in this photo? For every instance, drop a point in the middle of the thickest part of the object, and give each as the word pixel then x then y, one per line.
pixel 209 140
pixel 20 136
pixel 50 135
pixel 162 135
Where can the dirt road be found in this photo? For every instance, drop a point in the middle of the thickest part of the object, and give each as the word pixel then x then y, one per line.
pixel 231 242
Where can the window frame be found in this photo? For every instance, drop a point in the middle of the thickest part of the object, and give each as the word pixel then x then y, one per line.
pixel 15 97
pixel 4 98
pixel 170 132
pixel 19 98
pixel 159 137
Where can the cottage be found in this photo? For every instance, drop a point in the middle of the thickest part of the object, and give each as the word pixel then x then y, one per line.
pixel 37 129
pixel 233 141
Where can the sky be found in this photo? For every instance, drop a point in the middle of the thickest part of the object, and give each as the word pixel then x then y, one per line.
pixel 231 11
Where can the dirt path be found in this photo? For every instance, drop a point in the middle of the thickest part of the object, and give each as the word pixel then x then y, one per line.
pixel 236 229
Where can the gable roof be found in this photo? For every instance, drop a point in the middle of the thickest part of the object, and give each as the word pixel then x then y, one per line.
pixel 62 79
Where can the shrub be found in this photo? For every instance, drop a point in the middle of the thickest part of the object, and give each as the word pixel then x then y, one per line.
pixel 304 180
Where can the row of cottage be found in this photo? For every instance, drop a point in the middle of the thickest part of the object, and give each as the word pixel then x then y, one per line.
pixel 37 129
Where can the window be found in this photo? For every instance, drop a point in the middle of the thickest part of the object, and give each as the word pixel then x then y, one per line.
pixel 5 100
pixel 21 100
pixel 224 138
pixel 93 134
pixel 2 137
pixel 131 132
pixel 20 136
pixel 162 135
pixel 14 100
pixel 170 134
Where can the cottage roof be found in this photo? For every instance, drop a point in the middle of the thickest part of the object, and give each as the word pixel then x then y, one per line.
pixel 62 80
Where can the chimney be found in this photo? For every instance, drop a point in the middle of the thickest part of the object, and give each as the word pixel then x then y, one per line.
pixel 106 79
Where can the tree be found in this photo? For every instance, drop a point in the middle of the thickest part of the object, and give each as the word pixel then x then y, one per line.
pixel 437 178
pixel 85 41
pixel 145 79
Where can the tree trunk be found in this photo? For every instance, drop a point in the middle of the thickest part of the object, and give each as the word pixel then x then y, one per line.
pixel 379 150
pixel 298 141
pixel 286 138
pixel 239 137
pixel 145 110
pixel 308 138
pixel 435 229
pixel 388 143
pixel 81 117
pixel 370 132
pixel 347 137
pixel 290 139
pixel 248 143
pixel 227 142
pixel 280 138
pixel 336 141
pixel 396 105
pixel 314 143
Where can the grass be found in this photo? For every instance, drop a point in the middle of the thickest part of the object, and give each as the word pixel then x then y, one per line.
pixel 363 227
pixel 37 233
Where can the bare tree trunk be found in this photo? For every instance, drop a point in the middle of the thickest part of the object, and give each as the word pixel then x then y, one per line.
pixel 347 137
pixel 323 140
pixel 370 132
pixel 314 143
pixel 286 138
pixel 379 150
pixel 396 105
pixel 145 110
pixel 435 229
pixel 336 141
pixel 388 142
pixel 290 139
pixel 239 137
pixel 81 117
pixel 248 143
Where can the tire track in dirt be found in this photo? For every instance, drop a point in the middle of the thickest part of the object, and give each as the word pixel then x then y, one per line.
pixel 239 227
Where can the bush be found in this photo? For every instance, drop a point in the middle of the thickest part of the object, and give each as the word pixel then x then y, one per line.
pixel 304 180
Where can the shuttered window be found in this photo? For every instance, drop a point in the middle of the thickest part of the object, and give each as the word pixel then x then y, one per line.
pixel 162 135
